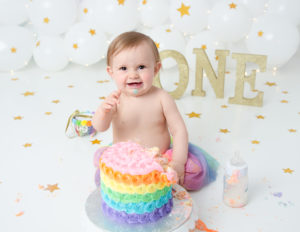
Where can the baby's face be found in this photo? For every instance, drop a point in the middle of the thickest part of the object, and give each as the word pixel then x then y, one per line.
pixel 133 69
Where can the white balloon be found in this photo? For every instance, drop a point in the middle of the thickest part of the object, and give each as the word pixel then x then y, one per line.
pixel 13 12
pixel 52 17
pixel 189 16
pixel 229 22
pixel 255 7
pixel 49 53
pixel 85 43
pixel 167 39
pixel 274 37
pixel 117 16
pixel 16 45
pixel 287 9
pixel 207 41
pixel 157 8
pixel 86 10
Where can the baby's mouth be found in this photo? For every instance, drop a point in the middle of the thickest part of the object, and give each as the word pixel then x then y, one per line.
pixel 135 84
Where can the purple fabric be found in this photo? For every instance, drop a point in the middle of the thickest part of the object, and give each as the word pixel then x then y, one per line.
pixel 138 218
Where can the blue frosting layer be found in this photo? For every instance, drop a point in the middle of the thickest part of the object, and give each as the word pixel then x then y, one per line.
pixel 138 218
pixel 137 208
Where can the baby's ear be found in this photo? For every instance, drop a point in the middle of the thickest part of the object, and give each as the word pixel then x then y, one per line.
pixel 109 70
pixel 157 67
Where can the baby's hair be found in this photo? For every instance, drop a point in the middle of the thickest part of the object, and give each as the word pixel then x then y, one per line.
pixel 129 40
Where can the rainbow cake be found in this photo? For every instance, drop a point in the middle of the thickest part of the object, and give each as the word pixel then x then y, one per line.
pixel 136 183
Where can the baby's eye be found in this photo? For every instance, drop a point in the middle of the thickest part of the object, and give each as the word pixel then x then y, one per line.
pixel 142 66
pixel 123 68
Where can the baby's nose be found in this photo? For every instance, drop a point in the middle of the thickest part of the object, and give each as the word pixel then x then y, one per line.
pixel 133 74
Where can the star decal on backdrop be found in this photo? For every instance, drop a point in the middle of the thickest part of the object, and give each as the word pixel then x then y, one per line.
pixel 204 47
pixel 70 86
pixel 284 101
pixel 121 2
pixel 184 10
pixel 85 10
pixel 232 6
pixel 18 118
pixel 27 93
pixel 224 131
pixel 27 145
pixel 157 44
pixel 292 130
pixel 52 187
pixel 102 98
pixel 20 214
pixel 56 101
pixel 102 81
pixel 96 141
pixel 260 33
pixel 224 106
pixel 14 79
pixel 144 2
pixel 168 30
pixel 260 117
pixel 37 43
pixel 270 83
pixel 92 32
pixel 255 142
pixel 46 20
pixel 75 45
pixel 193 115
pixel 288 170
pixel 13 50
pixel 46 77
pixel 48 113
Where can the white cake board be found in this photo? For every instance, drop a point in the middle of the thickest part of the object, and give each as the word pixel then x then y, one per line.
pixel 182 209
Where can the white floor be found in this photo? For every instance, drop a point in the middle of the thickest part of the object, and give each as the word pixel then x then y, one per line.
pixel 50 157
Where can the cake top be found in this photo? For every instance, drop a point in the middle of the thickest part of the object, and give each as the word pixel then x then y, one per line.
pixel 134 159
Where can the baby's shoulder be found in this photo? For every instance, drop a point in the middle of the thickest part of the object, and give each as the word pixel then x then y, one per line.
pixel 160 92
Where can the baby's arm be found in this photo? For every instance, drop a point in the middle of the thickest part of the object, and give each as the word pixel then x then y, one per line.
pixel 104 114
pixel 179 133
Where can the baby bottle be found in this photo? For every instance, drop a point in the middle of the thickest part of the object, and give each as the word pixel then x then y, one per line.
pixel 235 192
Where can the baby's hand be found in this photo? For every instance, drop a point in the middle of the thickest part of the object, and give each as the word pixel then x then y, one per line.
pixel 110 102
pixel 179 168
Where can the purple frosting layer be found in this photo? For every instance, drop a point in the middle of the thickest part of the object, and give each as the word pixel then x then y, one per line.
pixel 138 218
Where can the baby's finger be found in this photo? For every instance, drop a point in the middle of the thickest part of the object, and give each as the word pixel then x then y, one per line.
pixel 181 180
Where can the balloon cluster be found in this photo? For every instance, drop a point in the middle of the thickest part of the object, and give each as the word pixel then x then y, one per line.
pixel 56 32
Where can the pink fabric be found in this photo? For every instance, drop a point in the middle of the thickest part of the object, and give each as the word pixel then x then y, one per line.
pixel 195 172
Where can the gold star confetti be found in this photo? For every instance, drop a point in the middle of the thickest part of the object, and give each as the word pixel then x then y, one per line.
pixel 52 187
pixel 92 32
pixel 20 214
pixel 85 10
pixel 55 101
pixel 46 20
pixel 224 106
pixel 157 44
pixel 184 10
pixel 102 81
pixel 292 130
pixel 18 118
pixel 14 79
pixel 37 43
pixel 285 92
pixel 260 117
pixel 224 131
pixel 217 58
pixel 121 2
pixel 70 86
pixel 254 90
pixel 102 98
pixel 144 2
pixel 13 50
pixel 27 145
pixel 255 142
pixel 284 101
pixel 176 83
pixel 232 6
pixel 227 72
pixel 168 30
pixel 96 141
pixel 27 93
pixel 270 83
pixel 46 77
pixel 204 47
pixel 75 46
pixel 48 113
pixel 287 170
pixel 41 187
pixel 193 115
pixel 260 33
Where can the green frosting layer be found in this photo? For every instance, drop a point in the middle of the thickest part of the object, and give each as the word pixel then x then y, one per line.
pixel 134 198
